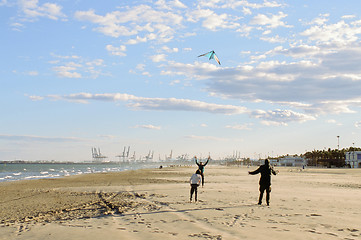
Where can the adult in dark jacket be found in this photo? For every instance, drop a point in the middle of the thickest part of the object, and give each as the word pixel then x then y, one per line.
pixel 265 181
pixel 201 168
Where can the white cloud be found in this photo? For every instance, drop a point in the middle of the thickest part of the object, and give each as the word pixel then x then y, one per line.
pixel 32 10
pixel 322 19
pixel 138 39
pixel 16 26
pixel 32 73
pixel 154 24
pixel 76 67
pixel 245 30
pixel 140 69
pixel 300 51
pixel 274 39
pixel 246 126
pixel 96 62
pixel 149 126
pixel 65 56
pixel 174 82
pixel 311 80
pixel 170 50
pixel 271 21
pixel 158 58
pixel 212 20
pixel 117 51
pixel 333 121
pixel 348 16
pixel 340 33
pixel 173 104
pixel 170 4
pixel 67 71
pixel 161 104
pixel 246 11
pixel 280 117
pixel 233 4
pixel 36 98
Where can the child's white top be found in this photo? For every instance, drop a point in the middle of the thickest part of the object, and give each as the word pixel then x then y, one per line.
pixel 196 179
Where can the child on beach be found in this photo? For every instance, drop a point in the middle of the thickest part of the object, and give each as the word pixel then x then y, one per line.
pixel 201 167
pixel 195 181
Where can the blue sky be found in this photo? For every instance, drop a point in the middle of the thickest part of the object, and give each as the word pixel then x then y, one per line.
pixel 81 74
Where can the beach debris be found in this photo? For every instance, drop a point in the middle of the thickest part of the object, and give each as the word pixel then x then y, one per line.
pixel 211 55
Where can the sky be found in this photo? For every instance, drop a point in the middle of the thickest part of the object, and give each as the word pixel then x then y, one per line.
pixel 77 74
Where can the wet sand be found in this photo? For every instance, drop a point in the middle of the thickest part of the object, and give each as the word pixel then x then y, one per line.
pixel 154 204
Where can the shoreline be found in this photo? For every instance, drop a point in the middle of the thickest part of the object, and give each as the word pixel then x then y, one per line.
pixel 20 171
pixel 154 203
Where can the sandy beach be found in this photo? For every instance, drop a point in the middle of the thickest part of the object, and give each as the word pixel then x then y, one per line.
pixel 154 204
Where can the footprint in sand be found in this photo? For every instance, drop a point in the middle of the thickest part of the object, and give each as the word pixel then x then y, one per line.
pixel 314 231
pixel 271 221
pixel 331 234
pixel 314 215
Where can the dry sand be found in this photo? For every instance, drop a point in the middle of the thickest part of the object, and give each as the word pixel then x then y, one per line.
pixel 154 204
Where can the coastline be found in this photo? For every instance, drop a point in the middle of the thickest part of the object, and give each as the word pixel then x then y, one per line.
pixel 154 203
pixel 14 171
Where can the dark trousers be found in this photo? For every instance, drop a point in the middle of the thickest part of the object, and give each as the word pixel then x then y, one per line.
pixel 202 174
pixel 194 188
pixel 261 191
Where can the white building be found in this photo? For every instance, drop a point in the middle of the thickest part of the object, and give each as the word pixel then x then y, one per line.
pixel 353 159
pixel 290 161
pixel 273 161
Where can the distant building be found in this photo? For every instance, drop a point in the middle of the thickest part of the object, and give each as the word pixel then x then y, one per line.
pixel 353 159
pixel 273 161
pixel 290 161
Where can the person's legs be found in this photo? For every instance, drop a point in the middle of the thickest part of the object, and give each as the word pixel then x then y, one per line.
pixel 196 193
pixel 268 191
pixel 202 174
pixel 261 191
pixel 192 191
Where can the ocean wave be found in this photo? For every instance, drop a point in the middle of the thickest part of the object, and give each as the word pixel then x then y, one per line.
pixel 15 172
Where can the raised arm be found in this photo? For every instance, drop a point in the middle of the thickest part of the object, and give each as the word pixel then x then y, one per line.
pixel 207 161
pixel 195 159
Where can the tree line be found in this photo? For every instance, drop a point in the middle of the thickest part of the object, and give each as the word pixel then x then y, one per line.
pixel 328 158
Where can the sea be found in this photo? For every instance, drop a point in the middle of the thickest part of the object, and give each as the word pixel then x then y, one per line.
pixel 28 171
